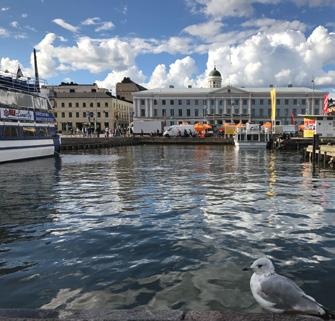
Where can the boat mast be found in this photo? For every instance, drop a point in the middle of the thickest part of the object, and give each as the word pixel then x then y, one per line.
pixel 37 81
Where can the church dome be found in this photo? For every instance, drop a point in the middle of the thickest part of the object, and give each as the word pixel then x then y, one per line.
pixel 214 73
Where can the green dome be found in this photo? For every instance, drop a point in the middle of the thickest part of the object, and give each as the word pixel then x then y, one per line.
pixel 214 73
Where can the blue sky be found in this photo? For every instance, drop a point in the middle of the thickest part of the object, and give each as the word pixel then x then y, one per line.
pixel 158 43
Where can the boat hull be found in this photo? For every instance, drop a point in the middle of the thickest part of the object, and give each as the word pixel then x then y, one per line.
pixel 24 149
pixel 251 145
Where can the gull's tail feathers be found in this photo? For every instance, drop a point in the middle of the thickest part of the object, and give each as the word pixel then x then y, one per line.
pixel 328 315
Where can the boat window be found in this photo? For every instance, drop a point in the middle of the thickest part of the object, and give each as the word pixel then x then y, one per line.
pixel 10 131
pixel 29 131
pixel 42 131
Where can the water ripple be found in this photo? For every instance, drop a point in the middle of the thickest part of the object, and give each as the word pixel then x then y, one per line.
pixel 162 227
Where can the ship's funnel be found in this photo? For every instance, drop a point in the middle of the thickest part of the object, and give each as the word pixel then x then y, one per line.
pixel 37 81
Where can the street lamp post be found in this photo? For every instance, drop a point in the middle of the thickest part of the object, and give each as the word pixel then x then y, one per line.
pixel 312 104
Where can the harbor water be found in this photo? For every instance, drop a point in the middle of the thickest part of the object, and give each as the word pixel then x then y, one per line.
pixel 163 227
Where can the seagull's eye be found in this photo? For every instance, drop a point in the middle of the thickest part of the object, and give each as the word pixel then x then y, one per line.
pixel 259 265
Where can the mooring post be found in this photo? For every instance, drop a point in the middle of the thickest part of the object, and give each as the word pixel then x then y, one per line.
pixel 315 145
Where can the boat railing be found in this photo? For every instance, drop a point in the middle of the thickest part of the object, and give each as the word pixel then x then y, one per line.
pixel 25 84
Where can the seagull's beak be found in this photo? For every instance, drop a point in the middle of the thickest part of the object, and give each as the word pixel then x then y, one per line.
pixel 246 269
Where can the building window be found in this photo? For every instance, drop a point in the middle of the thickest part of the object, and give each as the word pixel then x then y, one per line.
pixel 244 102
pixel 253 112
pixel 171 102
pixel 63 115
pixel 204 102
pixel 93 90
pixel 286 112
pixel 196 112
pixel 155 101
pixel 180 112
pixel 106 114
pixel 63 104
pixel 286 101
pixel 99 114
pixel 77 114
pixel 188 112
pixel 237 111
pixel 228 102
pixel 253 101
pixel 294 111
pixel 303 111
pixel 163 112
pixel 188 102
pixel 316 111
pixel 237 101
pixel 84 114
pixel 72 90
pixel 84 104
pixel 269 101
pixel 171 112
pixel 163 102
pixel 261 112
pixel 228 111
pixel 295 101
pixel 91 104
pixel 278 112
pixel 269 112
pixel 180 102
pixel 55 114
pixel 98 104
pixel 317 101
pixel 142 102
pixel 220 111
pixel 106 104
pixel 303 101
pixel 155 112
pixel 196 102
pixel 278 101
pixel 261 101
pixel 77 104
pixel 142 112
pixel 245 112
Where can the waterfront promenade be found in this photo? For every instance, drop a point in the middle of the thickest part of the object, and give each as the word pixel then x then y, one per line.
pixel 80 143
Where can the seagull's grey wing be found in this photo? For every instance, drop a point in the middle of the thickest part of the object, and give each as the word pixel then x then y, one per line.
pixel 287 296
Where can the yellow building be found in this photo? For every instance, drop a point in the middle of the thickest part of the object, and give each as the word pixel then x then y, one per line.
pixel 77 107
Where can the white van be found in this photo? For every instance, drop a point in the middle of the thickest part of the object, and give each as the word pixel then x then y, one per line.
pixel 180 130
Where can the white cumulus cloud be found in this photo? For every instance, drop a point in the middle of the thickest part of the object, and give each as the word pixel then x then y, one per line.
pixel 277 58
pixel 65 25
pixel 90 21
pixel 3 32
pixel 87 54
pixel 179 74
pixel 107 25
pixel 204 30
pixel 116 76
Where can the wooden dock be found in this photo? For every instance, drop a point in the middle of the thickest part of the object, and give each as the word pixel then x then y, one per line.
pixel 324 155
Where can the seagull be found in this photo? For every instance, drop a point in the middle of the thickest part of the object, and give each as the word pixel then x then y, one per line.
pixel 279 294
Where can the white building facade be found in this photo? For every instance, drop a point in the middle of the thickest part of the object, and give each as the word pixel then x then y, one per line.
pixel 228 104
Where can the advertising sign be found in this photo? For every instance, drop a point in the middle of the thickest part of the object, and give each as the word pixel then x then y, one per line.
pixel 309 127
pixel 16 114
pixel 45 117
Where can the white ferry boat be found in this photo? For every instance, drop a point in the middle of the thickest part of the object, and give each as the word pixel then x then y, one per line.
pixel 27 124
pixel 252 136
